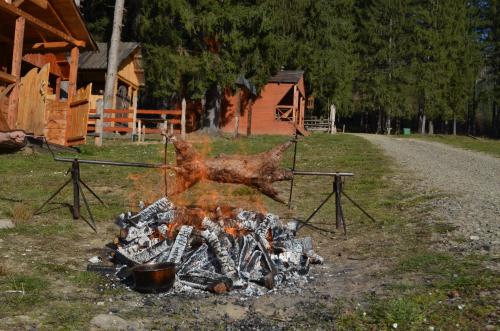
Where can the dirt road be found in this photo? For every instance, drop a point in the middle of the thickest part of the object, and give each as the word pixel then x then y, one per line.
pixel 469 183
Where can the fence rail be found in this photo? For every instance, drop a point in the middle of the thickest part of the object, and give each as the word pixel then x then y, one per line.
pixel 125 121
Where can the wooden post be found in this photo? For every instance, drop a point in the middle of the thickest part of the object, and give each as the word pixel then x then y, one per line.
pixel 333 110
pixel 99 131
pixel 58 88
pixel 17 56
pixel 183 119
pixel 165 129
pixel 295 103
pixel 73 73
pixel 134 114
pixel 143 132
pixel 139 130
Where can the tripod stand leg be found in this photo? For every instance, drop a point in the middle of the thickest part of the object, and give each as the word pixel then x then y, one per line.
pixel 92 223
pixel 339 214
pixel 75 177
pixel 52 196
pixel 91 191
pixel 302 224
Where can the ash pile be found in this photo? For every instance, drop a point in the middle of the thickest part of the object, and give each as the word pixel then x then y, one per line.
pixel 218 252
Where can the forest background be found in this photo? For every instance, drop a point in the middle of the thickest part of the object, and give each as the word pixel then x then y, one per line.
pixel 430 65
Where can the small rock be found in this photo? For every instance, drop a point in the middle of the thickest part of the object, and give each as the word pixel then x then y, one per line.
pixel 110 322
pixel 6 224
pixel 431 328
pixel 453 294
pixel 100 303
pixel 490 327
pixel 474 237
pixel 394 325
pixel 95 259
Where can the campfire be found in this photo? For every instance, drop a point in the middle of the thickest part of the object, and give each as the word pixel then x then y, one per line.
pixel 215 251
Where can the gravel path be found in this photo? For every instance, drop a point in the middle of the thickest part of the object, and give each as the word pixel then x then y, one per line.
pixel 469 181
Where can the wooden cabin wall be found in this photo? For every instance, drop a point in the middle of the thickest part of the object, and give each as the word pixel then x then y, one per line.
pixel 263 112
pixel 127 72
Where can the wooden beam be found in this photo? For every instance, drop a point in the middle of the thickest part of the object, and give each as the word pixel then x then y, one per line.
pixel 50 45
pixel 58 17
pixel 40 3
pixel 73 72
pixel 6 77
pixel 11 9
pixel 17 56
pixel 17 3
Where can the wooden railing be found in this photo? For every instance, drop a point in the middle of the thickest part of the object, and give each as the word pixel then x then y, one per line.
pixel 318 124
pixel 116 123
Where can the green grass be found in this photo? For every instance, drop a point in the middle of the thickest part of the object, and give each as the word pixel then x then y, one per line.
pixel 484 145
pixel 419 278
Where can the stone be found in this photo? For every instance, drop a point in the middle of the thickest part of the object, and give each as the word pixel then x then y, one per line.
pixel 6 224
pixel 474 238
pixel 111 322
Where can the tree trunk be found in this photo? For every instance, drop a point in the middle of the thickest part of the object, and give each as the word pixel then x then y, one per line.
pixel 431 127
pixel 422 128
pixel 454 124
pixel 258 171
pixel 183 118
pixel 237 114
pixel 109 87
pixel 494 120
pixel 388 125
pixel 249 119
pixel 379 121
pixel 212 110
pixel 398 125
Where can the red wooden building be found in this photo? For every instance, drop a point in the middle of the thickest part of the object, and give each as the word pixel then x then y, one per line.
pixel 279 109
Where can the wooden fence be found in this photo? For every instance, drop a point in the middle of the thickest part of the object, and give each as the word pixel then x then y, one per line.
pixel 124 121
pixel 318 124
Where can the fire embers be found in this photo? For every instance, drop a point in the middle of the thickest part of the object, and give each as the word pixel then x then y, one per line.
pixel 217 251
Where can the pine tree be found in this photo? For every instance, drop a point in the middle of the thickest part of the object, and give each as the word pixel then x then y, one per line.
pixel 383 77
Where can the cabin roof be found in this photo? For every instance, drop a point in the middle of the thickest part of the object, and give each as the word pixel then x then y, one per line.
pixel 61 15
pixel 98 60
pixel 287 76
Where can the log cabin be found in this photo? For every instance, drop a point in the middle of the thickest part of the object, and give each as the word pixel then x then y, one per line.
pixel 41 41
pixel 129 79
pixel 278 109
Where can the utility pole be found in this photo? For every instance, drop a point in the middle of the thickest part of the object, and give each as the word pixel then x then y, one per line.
pixel 109 87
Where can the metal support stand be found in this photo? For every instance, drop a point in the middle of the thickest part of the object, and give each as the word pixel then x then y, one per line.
pixel 78 186
pixel 337 190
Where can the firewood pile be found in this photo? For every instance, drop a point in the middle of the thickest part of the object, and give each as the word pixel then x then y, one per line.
pixel 215 251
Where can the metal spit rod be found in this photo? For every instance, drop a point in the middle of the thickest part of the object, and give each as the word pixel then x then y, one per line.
pixel 321 173
pixel 111 163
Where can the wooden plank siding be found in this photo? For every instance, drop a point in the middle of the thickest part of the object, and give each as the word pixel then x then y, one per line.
pixel 263 112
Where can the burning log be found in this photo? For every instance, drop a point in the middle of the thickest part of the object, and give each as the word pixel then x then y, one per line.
pixel 179 245
pixel 213 256
pixel 227 265
pixel 258 171
pixel 210 281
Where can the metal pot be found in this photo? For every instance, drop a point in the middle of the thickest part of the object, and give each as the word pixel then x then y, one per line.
pixel 153 278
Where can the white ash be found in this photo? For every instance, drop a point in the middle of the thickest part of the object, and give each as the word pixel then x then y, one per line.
pixel 258 252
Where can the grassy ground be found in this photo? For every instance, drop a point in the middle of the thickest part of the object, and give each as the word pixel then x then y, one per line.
pixel 402 279
pixel 484 145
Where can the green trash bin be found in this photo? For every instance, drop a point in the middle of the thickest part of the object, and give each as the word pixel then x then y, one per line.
pixel 406 131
